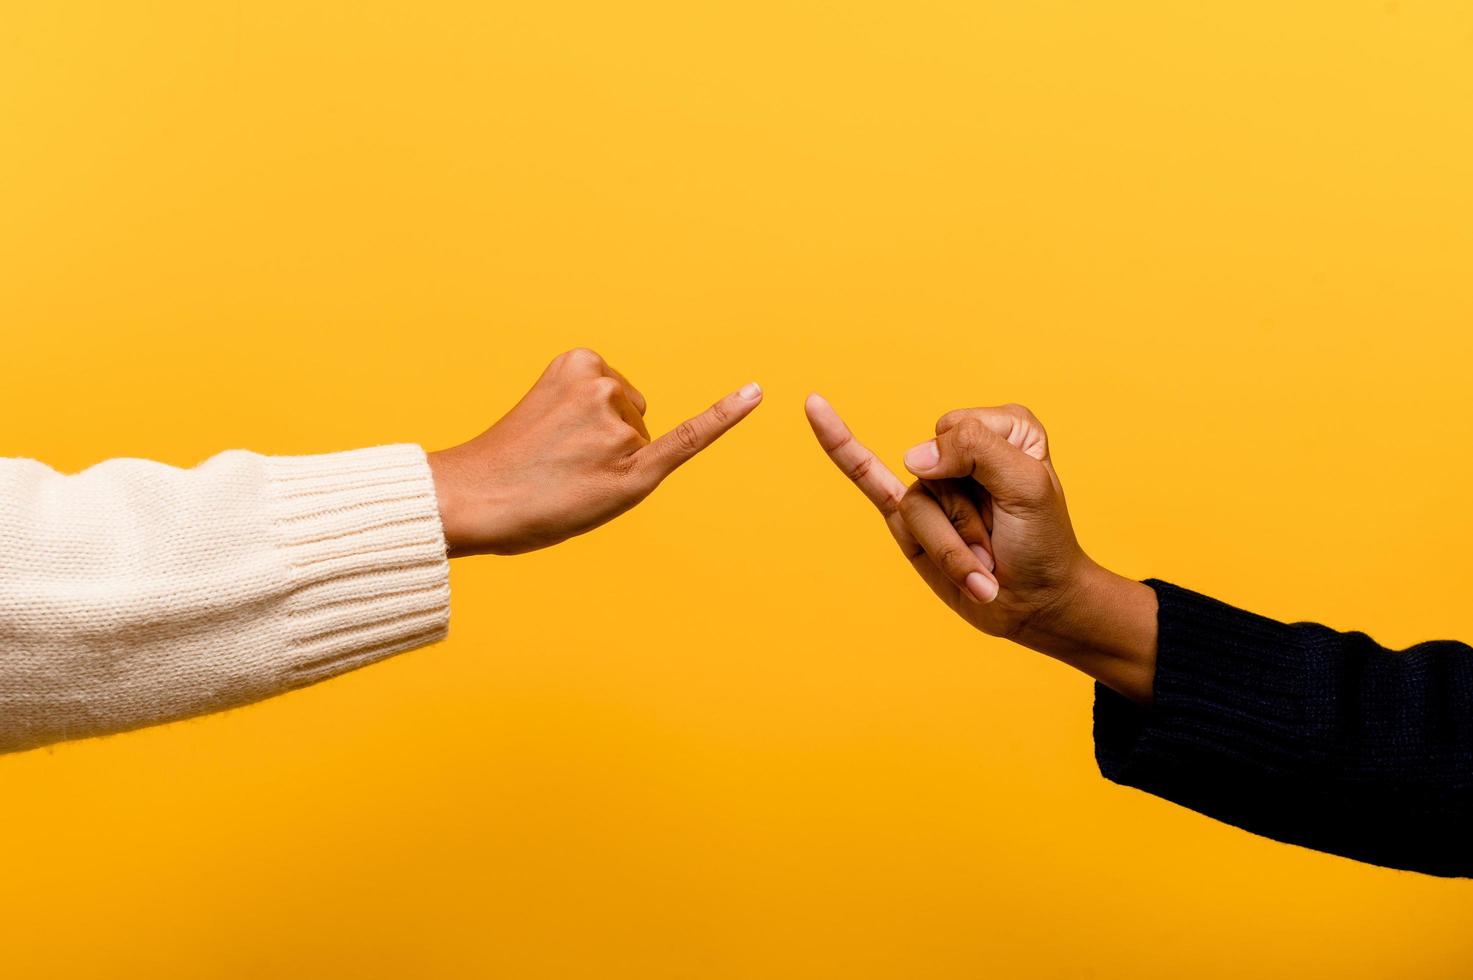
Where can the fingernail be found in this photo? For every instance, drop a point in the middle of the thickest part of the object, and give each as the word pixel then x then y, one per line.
pixel 984 556
pixel 923 457
pixel 983 589
pixel 750 391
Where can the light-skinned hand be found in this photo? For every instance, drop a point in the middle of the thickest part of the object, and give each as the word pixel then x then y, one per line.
pixel 574 453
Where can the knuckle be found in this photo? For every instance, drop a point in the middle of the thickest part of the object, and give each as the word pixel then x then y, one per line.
pixel 583 356
pixel 1028 432
pixel 860 469
pixel 913 500
pixel 967 434
pixel 950 557
pixel 687 438
pixel 720 412
pixel 1025 414
pixel 950 419
pixel 604 388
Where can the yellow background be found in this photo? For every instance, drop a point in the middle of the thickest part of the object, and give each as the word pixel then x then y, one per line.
pixel 1223 249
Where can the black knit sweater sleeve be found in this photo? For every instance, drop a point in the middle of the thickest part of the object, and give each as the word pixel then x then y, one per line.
pixel 1303 734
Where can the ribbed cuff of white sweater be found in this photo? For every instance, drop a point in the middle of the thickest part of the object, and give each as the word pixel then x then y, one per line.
pixel 362 534
pixel 134 593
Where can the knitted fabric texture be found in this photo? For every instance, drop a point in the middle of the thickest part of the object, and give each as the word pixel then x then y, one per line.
pixel 135 593
pixel 1303 734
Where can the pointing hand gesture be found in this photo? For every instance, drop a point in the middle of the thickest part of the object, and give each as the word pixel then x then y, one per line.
pixel 574 453
pixel 985 525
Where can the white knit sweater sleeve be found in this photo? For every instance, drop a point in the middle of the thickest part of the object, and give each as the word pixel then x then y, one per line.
pixel 135 593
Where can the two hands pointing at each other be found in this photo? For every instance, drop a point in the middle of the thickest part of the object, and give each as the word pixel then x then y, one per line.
pixel 250 575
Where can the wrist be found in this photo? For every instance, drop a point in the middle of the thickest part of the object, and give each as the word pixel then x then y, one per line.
pixel 450 501
pixel 1102 624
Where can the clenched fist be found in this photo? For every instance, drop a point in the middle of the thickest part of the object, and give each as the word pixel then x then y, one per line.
pixel 986 526
pixel 574 453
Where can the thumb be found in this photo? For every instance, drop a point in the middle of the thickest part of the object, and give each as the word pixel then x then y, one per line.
pixel 971 449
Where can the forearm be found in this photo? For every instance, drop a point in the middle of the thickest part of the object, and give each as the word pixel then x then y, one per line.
pixel 1296 732
pixel 135 593
pixel 1303 734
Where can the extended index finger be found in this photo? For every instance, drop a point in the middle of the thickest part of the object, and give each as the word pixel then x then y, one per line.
pixel 874 479
pixel 663 456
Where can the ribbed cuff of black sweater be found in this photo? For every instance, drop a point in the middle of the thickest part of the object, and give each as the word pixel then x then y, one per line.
pixel 1295 733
